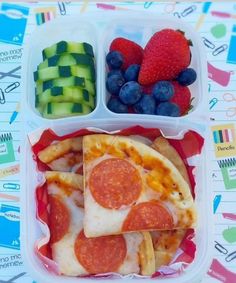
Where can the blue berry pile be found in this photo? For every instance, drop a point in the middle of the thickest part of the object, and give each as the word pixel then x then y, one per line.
pixel 128 96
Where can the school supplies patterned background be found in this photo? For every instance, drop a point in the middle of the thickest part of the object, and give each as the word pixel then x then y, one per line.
pixel 216 23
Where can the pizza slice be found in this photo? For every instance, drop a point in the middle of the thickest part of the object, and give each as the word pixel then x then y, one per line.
pixel 74 253
pixel 166 243
pixel 129 187
pixel 63 156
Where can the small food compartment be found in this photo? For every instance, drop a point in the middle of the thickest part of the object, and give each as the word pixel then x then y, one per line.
pixel 57 160
pixel 151 64
pixel 61 70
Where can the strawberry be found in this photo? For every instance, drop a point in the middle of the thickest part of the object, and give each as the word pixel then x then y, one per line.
pixel 166 54
pixel 131 51
pixel 182 97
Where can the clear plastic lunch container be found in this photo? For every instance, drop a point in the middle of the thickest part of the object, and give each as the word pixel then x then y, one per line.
pixel 99 30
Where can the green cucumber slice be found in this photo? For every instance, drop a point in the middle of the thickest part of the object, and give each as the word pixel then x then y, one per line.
pixel 65 94
pixel 67 60
pixel 64 109
pixel 68 47
pixel 62 82
pixel 50 73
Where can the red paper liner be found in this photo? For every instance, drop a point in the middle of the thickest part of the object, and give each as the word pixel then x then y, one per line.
pixel 191 144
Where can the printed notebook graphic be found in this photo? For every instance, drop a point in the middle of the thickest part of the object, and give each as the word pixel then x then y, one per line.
pixel 228 170
pixel 13 19
pixel 224 138
pixel 10 220
pixel 6 149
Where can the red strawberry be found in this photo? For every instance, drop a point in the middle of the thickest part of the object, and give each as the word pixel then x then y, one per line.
pixel 131 51
pixel 166 54
pixel 182 97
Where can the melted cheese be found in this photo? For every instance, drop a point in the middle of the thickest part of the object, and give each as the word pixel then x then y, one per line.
pixel 133 241
pixel 104 220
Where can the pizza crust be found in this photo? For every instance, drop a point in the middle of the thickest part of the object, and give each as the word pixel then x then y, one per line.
pixel 146 255
pixel 72 180
pixel 162 145
pixel 58 149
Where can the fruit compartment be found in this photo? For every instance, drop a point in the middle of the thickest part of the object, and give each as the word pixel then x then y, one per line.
pixel 140 29
pixel 74 30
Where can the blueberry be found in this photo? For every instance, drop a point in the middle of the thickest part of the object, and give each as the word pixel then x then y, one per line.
pixel 115 105
pixel 131 73
pixel 114 60
pixel 168 109
pixel 114 83
pixel 146 105
pixel 115 72
pixel 163 91
pixel 130 93
pixel 187 77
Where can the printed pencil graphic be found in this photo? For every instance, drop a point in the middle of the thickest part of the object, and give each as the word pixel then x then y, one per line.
pixel 14 114
pixel 205 9
pixel 224 135
pixel 216 202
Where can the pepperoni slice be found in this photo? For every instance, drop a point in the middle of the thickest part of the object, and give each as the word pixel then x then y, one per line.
pixel 59 219
pixel 115 182
pixel 148 216
pixel 101 254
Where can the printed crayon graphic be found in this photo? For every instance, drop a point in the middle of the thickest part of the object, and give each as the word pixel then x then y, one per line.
pixel 10 220
pixel 223 135
pixel 44 15
pixel 224 140
pixel 6 149
pixel 228 170
pixel 13 20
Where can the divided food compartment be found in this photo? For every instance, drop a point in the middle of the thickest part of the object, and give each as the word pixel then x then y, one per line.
pixel 100 34
pixel 99 30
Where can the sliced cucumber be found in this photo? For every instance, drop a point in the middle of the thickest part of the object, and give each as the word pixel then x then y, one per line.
pixel 67 60
pixel 68 47
pixel 65 94
pixel 64 109
pixel 50 73
pixel 62 82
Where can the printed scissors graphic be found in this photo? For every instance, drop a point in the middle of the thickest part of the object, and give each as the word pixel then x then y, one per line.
pixel 11 280
pixel 11 73
pixel 231 111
